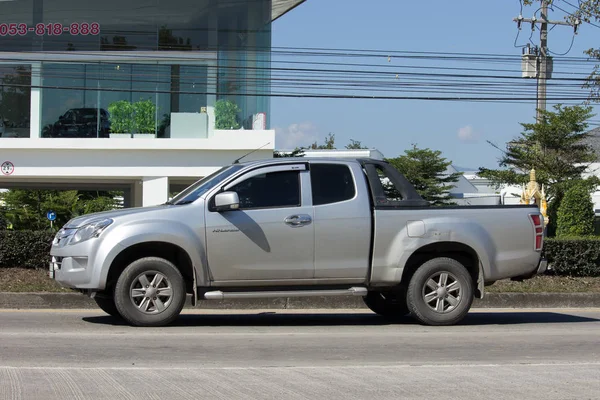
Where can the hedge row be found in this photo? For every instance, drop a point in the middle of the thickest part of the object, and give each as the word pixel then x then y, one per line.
pixel 25 249
pixel 573 257
pixel 567 257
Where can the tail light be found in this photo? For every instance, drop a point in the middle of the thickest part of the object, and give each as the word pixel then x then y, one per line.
pixel 538 228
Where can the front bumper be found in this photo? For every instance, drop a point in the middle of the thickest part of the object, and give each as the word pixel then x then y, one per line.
pixel 53 267
pixel 71 272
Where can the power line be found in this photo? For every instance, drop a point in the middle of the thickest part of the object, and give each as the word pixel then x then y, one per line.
pixel 570 47
pixel 541 58
pixel 332 70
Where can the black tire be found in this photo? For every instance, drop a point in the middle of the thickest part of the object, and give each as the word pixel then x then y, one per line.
pixel 388 304
pixel 160 310
pixel 107 304
pixel 439 310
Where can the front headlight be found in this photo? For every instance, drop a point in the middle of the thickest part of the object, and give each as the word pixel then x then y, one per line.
pixel 91 230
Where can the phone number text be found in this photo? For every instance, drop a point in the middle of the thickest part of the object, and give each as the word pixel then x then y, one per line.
pixel 51 29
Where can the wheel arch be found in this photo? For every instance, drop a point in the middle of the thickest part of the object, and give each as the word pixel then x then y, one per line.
pixel 460 252
pixel 168 251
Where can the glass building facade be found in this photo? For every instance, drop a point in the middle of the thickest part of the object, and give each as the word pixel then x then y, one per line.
pixel 87 69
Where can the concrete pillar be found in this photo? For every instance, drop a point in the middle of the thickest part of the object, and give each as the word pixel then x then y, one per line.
pixel 35 118
pixel 136 194
pixel 155 190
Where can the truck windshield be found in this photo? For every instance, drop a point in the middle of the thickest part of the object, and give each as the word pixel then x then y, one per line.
pixel 193 192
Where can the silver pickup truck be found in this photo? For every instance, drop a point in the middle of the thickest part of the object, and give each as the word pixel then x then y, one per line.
pixel 288 227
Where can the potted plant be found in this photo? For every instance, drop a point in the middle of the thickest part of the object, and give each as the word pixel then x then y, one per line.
pixel 121 119
pixel 144 119
pixel 226 115
pixel 137 119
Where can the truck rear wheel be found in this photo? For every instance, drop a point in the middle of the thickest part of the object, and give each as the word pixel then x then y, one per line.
pixel 150 292
pixel 389 304
pixel 440 292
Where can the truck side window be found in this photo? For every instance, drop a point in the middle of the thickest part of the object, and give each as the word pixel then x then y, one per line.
pixel 272 189
pixel 331 183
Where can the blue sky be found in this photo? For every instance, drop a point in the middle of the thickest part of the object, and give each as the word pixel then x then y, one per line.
pixel 458 129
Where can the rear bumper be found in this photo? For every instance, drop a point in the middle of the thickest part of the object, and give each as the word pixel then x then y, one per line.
pixel 542 267
pixel 539 269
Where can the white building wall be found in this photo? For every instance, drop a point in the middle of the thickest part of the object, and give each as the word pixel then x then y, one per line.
pixel 145 164
pixel 155 190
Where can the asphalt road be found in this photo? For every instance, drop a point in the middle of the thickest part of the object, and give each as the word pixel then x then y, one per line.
pixel 512 354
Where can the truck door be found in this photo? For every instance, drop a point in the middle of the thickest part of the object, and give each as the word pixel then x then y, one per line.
pixel 342 221
pixel 271 236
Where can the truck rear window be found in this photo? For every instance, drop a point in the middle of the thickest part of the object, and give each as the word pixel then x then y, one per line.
pixel 331 183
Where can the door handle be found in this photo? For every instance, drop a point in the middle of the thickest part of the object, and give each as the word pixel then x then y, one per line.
pixel 298 220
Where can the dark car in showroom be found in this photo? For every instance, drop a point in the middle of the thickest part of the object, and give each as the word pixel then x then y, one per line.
pixel 80 123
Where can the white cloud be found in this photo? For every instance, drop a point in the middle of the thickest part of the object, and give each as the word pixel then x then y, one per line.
pixel 467 134
pixel 295 135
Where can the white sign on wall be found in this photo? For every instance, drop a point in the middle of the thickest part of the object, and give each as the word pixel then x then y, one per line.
pixel 7 168
pixel 259 122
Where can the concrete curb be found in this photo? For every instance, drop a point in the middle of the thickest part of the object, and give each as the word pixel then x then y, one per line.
pixel 491 300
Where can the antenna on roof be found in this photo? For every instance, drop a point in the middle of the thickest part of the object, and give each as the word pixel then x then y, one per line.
pixel 246 155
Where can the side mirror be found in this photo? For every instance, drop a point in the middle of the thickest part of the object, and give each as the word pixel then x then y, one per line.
pixel 227 201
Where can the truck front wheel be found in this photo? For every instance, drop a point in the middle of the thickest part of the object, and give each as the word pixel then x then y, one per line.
pixel 150 292
pixel 107 304
pixel 389 304
pixel 440 292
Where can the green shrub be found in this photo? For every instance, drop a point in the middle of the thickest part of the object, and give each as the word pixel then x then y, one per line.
pixel 144 116
pixel 226 115
pixel 25 249
pixel 121 116
pixel 138 117
pixel 575 215
pixel 573 256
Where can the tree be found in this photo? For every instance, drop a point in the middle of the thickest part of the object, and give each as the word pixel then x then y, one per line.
pixel 576 212
pixel 555 147
pixel 426 170
pixel 355 145
pixel 328 145
pixel 589 10
pixel 26 209
pixel 297 152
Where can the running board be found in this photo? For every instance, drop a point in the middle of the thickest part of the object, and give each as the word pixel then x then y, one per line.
pixel 219 295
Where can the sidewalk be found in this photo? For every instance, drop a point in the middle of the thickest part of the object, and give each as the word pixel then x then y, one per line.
pixel 491 300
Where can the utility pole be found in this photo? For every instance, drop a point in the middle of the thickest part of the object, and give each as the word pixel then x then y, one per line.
pixel 543 70
pixel 543 62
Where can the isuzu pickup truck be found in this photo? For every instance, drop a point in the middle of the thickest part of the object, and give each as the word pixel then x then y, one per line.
pixel 288 227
